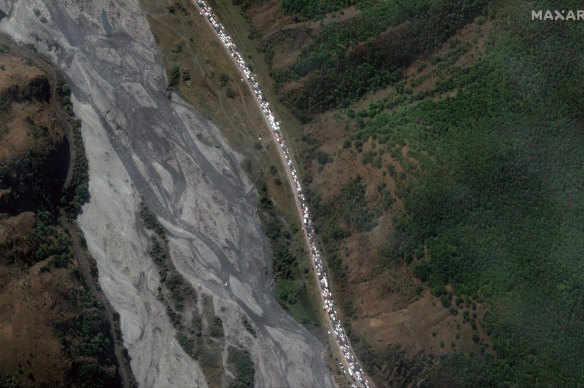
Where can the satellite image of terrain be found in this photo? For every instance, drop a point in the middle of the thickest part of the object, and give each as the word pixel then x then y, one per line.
pixel 291 193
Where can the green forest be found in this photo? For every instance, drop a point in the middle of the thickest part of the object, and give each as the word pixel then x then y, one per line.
pixel 499 204
pixel 368 52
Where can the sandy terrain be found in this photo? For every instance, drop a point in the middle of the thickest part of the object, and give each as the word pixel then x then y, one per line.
pixel 143 146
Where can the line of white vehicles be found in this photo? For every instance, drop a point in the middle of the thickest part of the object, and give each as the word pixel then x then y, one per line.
pixel 354 371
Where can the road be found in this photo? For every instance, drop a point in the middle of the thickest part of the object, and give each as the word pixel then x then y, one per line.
pixel 351 366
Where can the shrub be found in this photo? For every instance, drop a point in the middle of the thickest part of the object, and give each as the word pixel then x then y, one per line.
pixel 174 76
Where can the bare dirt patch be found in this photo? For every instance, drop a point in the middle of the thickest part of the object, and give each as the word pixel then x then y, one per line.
pixel 267 17
pixel 477 34
pixel 27 316
pixel 421 325
pixel 18 135
pixel 20 129
pixel 16 71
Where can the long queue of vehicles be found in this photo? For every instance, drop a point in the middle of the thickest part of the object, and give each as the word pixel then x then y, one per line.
pixel 355 372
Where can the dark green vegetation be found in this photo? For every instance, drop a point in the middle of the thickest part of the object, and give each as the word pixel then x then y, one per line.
pixel 35 180
pixel 36 89
pixel 174 76
pixel 499 206
pixel 86 336
pixel 368 52
pixel 241 365
pixel 290 277
pixel 199 331
pixel 248 326
pixel 307 9
pixel 77 192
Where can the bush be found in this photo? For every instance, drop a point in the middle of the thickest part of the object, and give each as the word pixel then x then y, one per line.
pixel 242 367
pixel 248 326
pixel 216 327
pixel 187 343
pixel 223 79
pixel 174 76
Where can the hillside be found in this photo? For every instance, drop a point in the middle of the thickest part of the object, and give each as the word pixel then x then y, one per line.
pixel 441 145
pixel 53 328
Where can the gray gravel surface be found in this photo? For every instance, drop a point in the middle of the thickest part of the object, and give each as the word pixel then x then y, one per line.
pixel 142 146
